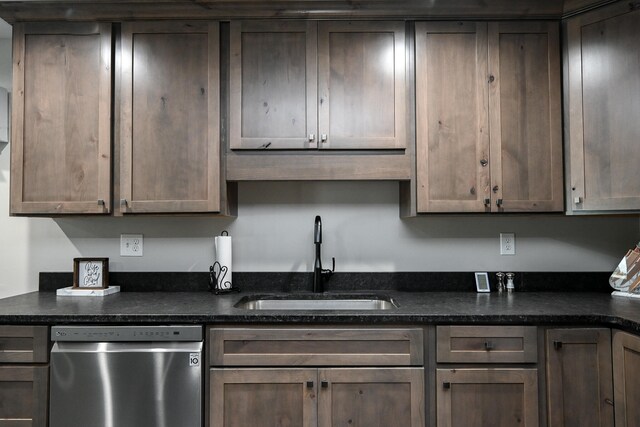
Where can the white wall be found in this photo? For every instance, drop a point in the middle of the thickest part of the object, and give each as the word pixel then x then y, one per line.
pixel 273 232
pixel 5 63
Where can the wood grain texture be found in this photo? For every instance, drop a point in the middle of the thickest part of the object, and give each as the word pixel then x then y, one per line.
pixel 263 397
pixel 525 117
pixel 12 10
pixel 579 378
pixel 24 344
pixel 452 129
pixel 320 346
pixel 486 344
pixel 487 397
pixel 626 378
pixel 361 85
pixel 170 150
pixel 61 124
pixel 273 85
pixel 360 397
pixel 24 396
pixel 603 92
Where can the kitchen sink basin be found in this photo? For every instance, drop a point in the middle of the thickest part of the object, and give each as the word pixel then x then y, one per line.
pixel 317 302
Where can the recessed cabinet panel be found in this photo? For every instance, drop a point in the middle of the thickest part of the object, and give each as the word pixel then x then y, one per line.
pixel 626 378
pixel 273 85
pixel 524 100
pixel 452 123
pixel 603 109
pixel 361 83
pixel 61 150
pixel 170 116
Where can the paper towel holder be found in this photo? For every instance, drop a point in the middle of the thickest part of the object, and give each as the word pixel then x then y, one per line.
pixel 217 274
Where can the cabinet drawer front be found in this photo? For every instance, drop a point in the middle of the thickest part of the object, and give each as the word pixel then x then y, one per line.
pixel 486 344
pixel 304 347
pixel 24 344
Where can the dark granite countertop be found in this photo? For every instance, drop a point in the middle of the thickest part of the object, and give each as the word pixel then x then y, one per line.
pixel 536 308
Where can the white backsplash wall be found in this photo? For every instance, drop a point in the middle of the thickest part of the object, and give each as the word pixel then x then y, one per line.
pixel 274 232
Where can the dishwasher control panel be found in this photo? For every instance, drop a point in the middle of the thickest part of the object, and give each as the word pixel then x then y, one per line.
pixel 126 333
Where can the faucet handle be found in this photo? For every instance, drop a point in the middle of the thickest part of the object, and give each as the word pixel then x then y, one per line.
pixel 328 272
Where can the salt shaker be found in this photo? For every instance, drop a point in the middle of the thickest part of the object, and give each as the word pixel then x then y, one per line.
pixel 500 276
pixel 510 286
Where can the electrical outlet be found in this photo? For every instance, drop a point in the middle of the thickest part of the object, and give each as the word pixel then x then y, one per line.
pixel 507 244
pixel 131 245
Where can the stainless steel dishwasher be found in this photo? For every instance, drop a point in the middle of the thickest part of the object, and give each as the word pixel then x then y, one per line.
pixel 126 376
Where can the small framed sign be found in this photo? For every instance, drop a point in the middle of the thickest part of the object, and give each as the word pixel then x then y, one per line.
pixel 91 273
pixel 482 282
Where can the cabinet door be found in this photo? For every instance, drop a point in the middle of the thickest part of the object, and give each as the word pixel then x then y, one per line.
pixel 61 137
pixel 170 151
pixel 626 379
pixel 23 396
pixel 273 85
pixel 603 109
pixel 362 397
pixel 525 117
pixel 263 397
pixel 487 397
pixel 579 378
pixel 452 122
pixel 361 84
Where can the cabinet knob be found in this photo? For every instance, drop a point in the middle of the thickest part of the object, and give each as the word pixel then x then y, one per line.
pixel 609 402
pixel 323 137
pixel 577 200
pixel 100 202
pixel 495 188
pixel 492 78
pixel 499 202
pixel 312 137
pixel 446 385
pixel 487 202
pixel 123 202
pixel 488 345
pixel 309 384
pixel 324 383
pixel 557 345
pixel 484 162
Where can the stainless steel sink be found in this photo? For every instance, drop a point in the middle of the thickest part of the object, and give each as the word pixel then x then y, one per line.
pixel 317 302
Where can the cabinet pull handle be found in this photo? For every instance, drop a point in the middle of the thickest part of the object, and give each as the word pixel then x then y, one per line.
pixel 488 345
pixel 323 137
pixel 499 202
pixel 492 78
pixel 446 385
pixel 495 188
pixel 609 402
pixel 324 384
pixel 557 345
pixel 484 162
pixel 309 384
pixel 487 202
pixel 123 202
pixel 312 137
pixel 100 202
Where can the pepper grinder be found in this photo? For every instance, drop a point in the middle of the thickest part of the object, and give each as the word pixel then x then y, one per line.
pixel 500 276
pixel 510 286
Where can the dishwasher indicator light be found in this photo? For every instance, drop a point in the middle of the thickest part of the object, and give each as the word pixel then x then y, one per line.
pixel 194 359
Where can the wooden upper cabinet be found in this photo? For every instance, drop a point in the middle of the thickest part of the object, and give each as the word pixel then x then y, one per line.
pixel 273 85
pixel 361 85
pixel 488 118
pixel 452 118
pixel 61 125
pixel 169 135
pixel 602 109
pixel 309 85
pixel 525 116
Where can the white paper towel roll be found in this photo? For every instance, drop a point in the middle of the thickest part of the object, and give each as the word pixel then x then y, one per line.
pixel 223 257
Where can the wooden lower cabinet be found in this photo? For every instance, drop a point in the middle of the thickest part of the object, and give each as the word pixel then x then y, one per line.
pixel 579 378
pixel 487 397
pixel 269 397
pixel 23 396
pixel 626 378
